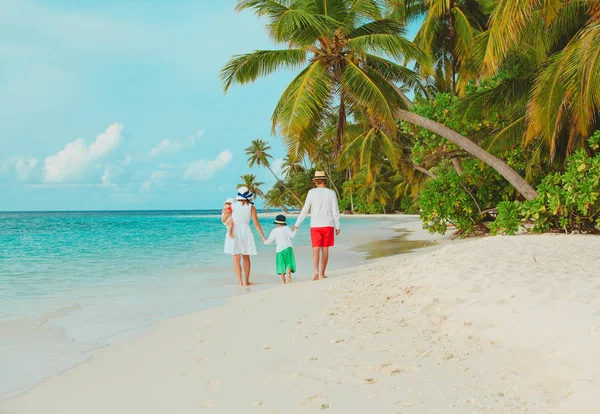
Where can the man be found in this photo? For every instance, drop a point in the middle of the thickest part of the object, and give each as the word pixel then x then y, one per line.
pixel 324 216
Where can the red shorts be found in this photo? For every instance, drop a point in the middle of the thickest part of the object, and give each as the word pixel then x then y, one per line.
pixel 322 236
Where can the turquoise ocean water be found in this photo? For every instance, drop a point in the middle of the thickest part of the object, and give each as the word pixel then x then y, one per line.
pixel 73 282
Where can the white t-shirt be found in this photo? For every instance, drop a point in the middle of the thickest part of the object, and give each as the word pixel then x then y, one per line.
pixel 282 236
pixel 324 209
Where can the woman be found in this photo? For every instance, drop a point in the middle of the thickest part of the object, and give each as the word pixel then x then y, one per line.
pixel 242 246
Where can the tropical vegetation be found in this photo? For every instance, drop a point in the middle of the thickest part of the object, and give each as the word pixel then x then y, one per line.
pixel 489 101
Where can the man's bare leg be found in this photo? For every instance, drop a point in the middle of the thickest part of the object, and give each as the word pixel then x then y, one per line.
pixel 316 251
pixel 237 268
pixel 324 260
pixel 247 265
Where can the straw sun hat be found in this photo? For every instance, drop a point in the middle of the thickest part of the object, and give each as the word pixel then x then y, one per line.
pixel 320 175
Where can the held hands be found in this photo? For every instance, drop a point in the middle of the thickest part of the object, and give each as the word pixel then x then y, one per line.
pixel 294 228
pixel 337 232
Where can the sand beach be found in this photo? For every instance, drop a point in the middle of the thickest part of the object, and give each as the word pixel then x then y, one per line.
pixel 498 325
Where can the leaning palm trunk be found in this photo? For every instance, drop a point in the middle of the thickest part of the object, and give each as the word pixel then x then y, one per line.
pixel 333 184
pixel 469 146
pixel 284 186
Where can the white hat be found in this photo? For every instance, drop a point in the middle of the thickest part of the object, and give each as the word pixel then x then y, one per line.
pixel 229 201
pixel 244 194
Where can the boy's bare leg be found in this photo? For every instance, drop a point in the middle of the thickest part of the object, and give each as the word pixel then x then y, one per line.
pixel 247 265
pixel 316 251
pixel 289 275
pixel 324 260
pixel 237 268
pixel 283 278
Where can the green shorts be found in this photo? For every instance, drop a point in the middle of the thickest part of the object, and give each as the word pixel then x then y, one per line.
pixel 285 260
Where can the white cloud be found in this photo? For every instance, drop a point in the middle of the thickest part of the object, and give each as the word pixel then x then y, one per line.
pixel 24 166
pixel 277 166
pixel 204 170
pixel 168 146
pixel 71 162
pixel 157 181
pixel 112 171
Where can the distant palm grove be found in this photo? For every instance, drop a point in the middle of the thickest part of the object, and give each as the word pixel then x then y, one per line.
pixel 487 120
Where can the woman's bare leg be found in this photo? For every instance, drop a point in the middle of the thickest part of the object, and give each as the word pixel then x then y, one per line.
pixel 324 260
pixel 237 268
pixel 247 266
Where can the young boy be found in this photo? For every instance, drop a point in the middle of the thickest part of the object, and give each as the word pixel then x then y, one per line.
pixel 285 260
pixel 226 216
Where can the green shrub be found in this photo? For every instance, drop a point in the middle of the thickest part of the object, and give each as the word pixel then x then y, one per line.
pixel 461 200
pixel 568 201
pixel 364 207
pixel 565 202
pixel 408 206
pixel 345 204
pixel 508 219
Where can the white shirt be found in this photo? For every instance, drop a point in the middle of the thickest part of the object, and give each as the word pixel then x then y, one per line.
pixel 324 209
pixel 282 236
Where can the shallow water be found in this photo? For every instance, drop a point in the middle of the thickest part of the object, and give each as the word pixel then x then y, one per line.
pixel 398 244
pixel 72 282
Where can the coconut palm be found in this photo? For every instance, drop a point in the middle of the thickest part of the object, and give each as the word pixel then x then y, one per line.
pixel 546 54
pixel 349 53
pixel 345 48
pixel 448 33
pixel 376 189
pixel 291 166
pixel 258 154
pixel 371 148
pixel 249 181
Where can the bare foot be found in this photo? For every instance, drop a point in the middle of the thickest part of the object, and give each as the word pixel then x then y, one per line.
pixel 316 276
pixel 289 279
pixel 322 277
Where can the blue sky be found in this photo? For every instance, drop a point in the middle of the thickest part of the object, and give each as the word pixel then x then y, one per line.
pixel 117 104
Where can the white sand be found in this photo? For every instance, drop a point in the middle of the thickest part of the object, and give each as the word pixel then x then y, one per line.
pixel 495 325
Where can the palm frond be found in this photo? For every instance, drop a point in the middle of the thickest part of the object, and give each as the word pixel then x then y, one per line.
pixel 393 46
pixel 509 136
pixel 302 104
pixel 507 22
pixel 372 92
pixel 395 73
pixel 247 68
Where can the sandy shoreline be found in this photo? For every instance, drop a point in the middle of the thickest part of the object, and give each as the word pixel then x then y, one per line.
pixel 489 325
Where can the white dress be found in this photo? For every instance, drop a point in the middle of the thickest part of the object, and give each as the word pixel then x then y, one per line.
pixel 243 243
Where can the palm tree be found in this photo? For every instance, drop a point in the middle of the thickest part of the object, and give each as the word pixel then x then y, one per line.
pixel 371 148
pixel 547 54
pixel 349 49
pixel 345 46
pixel 291 166
pixel 249 180
pixel 376 190
pixel 258 155
pixel 448 33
